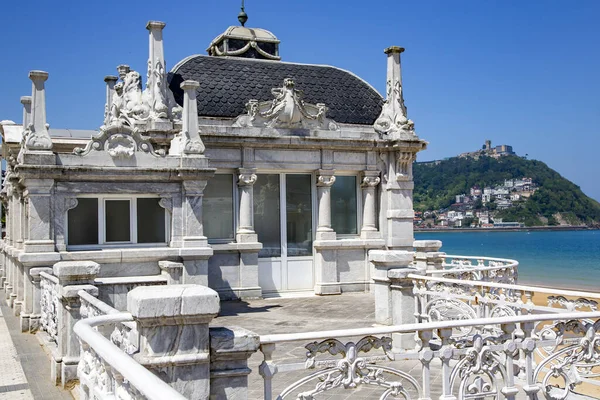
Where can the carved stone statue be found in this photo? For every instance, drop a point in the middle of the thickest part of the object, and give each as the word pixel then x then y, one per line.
pixel 286 110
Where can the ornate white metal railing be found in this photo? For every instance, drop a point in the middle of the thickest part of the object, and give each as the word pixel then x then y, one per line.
pixel 443 299
pixel 477 268
pixel 496 365
pixel 106 372
pixel 124 335
pixel 49 303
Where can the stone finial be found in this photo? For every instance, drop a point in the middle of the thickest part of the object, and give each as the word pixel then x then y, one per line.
pixel 393 119
pixel 191 133
pixel 111 81
pixel 157 84
pixel 37 136
pixel 26 101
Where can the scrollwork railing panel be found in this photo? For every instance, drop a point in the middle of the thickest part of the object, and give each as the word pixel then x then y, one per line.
pixel 50 305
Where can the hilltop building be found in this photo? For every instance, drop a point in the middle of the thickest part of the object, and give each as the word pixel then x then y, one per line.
pixel 488 150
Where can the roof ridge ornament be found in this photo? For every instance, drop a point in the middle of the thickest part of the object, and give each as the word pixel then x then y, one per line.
pixel 36 134
pixel 287 110
pixel 393 120
pixel 242 16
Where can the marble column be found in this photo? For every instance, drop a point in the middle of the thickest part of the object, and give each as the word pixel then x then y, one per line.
pixel 245 232
pixel 325 180
pixel 369 183
pixel 39 237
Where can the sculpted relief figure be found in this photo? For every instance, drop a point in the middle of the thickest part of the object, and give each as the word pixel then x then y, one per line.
pixel 130 103
pixel 286 110
pixel 393 117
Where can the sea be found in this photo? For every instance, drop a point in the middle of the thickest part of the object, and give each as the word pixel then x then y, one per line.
pixel 558 259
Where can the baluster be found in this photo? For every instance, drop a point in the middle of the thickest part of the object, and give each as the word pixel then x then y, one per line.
pixel 425 356
pixel 509 346
pixel 267 369
pixel 446 353
pixel 528 346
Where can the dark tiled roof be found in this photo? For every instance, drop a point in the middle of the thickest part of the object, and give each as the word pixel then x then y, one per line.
pixel 227 83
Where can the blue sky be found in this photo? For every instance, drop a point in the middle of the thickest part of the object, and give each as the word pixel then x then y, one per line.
pixel 518 72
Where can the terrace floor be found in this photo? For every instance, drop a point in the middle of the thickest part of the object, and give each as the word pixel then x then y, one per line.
pixel 306 314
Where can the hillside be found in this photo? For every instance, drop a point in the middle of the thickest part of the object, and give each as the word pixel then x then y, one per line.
pixel 557 200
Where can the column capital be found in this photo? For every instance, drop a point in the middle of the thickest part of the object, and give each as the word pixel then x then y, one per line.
pixel 325 177
pixel 370 179
pixel 247 176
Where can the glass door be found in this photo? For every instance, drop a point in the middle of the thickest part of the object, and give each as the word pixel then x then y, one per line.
pixel 283 220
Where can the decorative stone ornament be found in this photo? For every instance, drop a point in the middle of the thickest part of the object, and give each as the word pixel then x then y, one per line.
pixel 151 109
pixel 287 110
pixel 36 135
pixel 393 120
pixel 120 141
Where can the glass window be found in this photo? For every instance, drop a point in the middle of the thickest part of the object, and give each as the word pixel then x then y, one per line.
pixel 299 215
pixel 217 214
pixel 266 214
pixel 82 222
pixel 118 227
pixel 343 205
pixel 150 221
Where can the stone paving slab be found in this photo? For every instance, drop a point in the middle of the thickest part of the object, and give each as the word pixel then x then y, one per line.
pixel 27 363
pixel 13 384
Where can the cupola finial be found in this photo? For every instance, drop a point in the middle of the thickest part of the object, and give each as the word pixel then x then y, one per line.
pixel 242 16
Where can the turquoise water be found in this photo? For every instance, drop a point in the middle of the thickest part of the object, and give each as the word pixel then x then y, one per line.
pixel 566 259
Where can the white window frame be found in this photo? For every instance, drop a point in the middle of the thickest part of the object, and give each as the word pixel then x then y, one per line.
pixel 359 206
pixel 102 243
pixel 236 207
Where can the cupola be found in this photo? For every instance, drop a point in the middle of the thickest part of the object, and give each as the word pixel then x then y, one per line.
pixel 240 41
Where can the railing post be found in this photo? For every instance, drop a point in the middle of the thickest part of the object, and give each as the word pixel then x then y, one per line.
pixel 36 297
pixel 230 349
pixel 173 323
pixel 172 270
pixel 446 354
pixel 73 276
pixel 510 346
pixel 428 255
pixel 267 369
pixel 394 296
pixel 425 356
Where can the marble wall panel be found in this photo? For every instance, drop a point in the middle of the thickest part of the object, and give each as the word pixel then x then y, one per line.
pixel 224 271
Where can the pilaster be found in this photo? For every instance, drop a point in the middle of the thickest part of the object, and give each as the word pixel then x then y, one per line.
pixel 39 195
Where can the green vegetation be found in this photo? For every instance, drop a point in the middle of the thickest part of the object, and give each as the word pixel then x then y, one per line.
pixel 437 185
